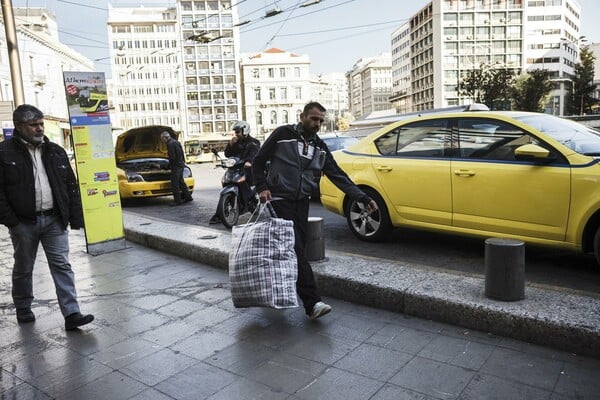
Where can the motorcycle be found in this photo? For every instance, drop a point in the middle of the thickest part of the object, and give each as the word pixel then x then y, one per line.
pixel 234 199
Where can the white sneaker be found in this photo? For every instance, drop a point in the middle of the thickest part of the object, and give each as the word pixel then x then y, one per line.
pixel 319 310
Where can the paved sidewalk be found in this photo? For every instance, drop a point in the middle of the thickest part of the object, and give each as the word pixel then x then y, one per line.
pixel 165 328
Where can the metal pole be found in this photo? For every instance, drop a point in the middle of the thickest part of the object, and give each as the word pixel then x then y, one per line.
pixel 13 53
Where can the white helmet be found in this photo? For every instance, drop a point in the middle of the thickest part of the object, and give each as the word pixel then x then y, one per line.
pixel 242 126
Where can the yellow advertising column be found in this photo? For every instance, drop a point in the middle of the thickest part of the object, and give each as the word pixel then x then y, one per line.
pixel 95 161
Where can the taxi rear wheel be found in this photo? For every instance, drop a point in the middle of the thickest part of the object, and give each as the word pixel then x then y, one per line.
pixel 597 245
pixel 374 227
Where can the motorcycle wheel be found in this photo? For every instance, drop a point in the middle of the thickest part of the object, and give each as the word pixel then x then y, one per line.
pixel 228 209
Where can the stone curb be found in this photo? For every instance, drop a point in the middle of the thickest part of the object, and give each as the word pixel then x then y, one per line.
pixel 547 316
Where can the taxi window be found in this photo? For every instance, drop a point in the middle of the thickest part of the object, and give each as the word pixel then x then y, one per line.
pixel 490 139
pixel 429 138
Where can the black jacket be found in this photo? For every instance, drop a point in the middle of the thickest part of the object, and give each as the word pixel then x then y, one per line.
pixel 245 148
pixel 175 153
pixel 17 186
pixel 289 176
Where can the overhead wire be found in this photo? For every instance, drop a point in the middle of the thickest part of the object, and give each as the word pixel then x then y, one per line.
pixel 282 24
pixel 297 16
pixel 289 17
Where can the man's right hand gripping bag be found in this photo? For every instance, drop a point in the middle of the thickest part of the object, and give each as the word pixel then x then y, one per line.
pixel 262 263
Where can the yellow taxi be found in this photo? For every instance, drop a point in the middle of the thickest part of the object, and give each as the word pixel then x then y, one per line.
pixel 527 176
pixel 143 164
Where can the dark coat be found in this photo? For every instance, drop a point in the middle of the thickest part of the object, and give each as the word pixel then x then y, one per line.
pixel 245 148
pixel 175 153
pixel 291 178
pixel 17 186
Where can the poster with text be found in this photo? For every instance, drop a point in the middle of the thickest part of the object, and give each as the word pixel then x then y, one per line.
pixel 95 160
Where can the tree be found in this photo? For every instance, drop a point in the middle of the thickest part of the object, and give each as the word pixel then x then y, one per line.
pixel 471 85
pixel 498 88
pixel 583 87
pixel 531 90
pixel 490 86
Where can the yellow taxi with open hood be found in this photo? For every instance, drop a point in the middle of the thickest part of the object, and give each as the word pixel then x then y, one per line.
pixel 143 164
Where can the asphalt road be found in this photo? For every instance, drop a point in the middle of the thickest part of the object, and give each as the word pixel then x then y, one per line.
pixel 446 252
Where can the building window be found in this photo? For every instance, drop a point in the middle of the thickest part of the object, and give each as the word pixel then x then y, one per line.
pixel 283 93
pixel 271 93
pixel 257 94
pixel 271 72
pixel 297 72
pixel 282 72
pixel 284 117
pixel 298 93
pixel 259 118
pixel 273 117
pixel 255 73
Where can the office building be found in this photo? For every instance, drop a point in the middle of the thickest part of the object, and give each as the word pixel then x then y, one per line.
pixel 176 66
pixel 331 90
pixel 448 38
pixel 370 85
pixel 146 70
pixel 276 86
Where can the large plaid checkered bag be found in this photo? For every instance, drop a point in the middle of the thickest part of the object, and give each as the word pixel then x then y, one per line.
pixel 263 268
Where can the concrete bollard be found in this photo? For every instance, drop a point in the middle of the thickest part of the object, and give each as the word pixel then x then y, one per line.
pixel 315 241
pixel 504 269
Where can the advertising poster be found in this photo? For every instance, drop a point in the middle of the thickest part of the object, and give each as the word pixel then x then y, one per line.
pixel 95 160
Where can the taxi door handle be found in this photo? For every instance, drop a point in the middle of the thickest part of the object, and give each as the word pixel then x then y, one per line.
pixel 384 168
pixel 464 172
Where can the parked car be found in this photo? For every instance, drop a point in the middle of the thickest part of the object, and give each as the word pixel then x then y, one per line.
pixel 337 141
pixel 143 164
pixel 527 176
pixel 334 141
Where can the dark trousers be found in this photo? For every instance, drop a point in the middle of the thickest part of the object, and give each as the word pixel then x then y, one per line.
pixel 178 186
pixel 297 211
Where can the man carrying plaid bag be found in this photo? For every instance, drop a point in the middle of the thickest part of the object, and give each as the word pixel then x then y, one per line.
pixel 296 154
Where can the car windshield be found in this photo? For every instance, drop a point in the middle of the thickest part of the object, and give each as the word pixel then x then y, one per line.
pixel 574 135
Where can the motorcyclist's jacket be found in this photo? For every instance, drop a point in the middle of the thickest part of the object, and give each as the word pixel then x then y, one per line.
pixel 294 163
pixel 245 148
pixel 17 186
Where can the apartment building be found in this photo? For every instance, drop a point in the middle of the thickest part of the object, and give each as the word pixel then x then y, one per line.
pixel 43 59
pixel 370 85
pixel 448 38
pixel 401 66
pixel 145 65
pixel 176 66
pixel 275 87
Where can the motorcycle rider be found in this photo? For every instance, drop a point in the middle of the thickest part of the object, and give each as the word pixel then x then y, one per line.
pixel 245 147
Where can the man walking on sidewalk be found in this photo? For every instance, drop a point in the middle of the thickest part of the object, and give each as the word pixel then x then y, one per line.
pixel 39 198
pixel 181 193
pixel 296 154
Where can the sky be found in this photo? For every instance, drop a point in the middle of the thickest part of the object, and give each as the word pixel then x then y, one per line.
pixel 334 33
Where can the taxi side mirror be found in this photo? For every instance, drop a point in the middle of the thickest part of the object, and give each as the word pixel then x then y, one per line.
pixel 532 152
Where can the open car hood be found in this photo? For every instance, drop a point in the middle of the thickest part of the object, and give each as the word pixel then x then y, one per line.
pixel 142 142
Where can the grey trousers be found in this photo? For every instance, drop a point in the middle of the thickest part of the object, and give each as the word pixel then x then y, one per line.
pixel 48 231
